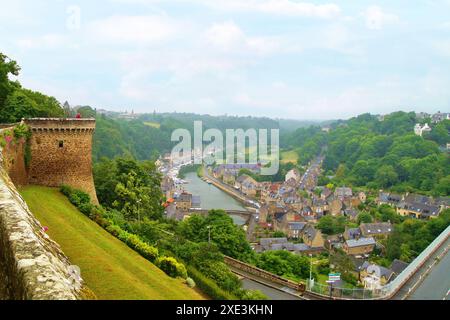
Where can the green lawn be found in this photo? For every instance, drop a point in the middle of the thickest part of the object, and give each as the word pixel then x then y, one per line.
pixel 153 124
pixel 109 268
pixel 289 156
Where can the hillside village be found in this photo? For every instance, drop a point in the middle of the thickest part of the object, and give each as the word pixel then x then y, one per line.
pixel 290 215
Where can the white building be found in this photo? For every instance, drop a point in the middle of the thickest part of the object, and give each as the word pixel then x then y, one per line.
pixel 419 130
pixel 293 174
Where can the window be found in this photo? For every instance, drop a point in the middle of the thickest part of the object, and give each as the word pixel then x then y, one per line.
pixel 61 144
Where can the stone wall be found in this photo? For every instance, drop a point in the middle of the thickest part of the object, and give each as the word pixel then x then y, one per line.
pixel 32 266
pixel 61 153
pixel 14 161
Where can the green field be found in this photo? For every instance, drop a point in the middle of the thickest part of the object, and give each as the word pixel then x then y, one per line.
pixel 289 156
pixel 153 124
pixel 109 268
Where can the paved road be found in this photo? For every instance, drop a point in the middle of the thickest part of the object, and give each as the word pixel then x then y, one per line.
pixel 435 285
pixel 271 293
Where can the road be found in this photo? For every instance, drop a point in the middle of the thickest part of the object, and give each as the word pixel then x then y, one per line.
pixel 436 282
pixel 271 293
pixel 309 180
pixel 272 290
pixel 436 286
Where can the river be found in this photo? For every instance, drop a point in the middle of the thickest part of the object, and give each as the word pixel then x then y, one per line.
pixel 211 197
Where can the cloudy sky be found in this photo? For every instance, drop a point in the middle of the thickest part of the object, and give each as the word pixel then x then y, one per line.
pixel 277 58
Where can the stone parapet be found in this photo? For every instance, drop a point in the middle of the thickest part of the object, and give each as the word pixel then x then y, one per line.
pixel 32 266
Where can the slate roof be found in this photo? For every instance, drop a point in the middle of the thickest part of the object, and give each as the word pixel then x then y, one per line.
pixel 351 213
pixel 353 233
pixel 296 225
pixel 343 192
pixel 310 232
pixel 417 198
pixel 354 243
pixel 379 271
pixel 398 266
pixel 368 229
pixel 196 201
pixel 423 209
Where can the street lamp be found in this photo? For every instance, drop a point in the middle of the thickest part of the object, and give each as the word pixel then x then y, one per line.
pixel 209 235
pixel 139 209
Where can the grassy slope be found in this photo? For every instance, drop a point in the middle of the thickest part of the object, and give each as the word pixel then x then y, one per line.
pixel 110 269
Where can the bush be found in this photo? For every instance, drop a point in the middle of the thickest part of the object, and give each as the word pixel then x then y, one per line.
pixel 190 282
pixel 134 242
pixel 114 230
pixel 66 190
pixel 86 208
pixel 172 267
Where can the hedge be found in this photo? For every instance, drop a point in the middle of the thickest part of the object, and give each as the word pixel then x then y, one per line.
pixel 134 242
pixel 172 267
pixel 208 286
pixel 82 201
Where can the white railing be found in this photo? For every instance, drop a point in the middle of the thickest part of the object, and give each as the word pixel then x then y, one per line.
pixel 388 290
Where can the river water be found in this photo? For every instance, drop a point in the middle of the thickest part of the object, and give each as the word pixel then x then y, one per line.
pixel 212 197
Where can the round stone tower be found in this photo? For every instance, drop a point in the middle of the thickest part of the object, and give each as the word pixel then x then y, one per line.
pixel 61 153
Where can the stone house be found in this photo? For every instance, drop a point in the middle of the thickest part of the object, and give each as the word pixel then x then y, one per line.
pixel 360 246
pixel 247 185
pixel 362 197
pixel 312 237
pixel 335 207
pixel 418 210
pixel 374 276
pixel 295 229
pixel 343 192
pixel 183 201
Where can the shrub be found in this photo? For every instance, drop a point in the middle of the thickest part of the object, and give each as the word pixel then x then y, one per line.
pixel 134 242
pixel 114 230
pixel 172 267
pixel 66 190
pixel 190 282
pixel 86 208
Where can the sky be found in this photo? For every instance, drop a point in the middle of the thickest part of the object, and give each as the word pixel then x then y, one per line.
pixel 277 58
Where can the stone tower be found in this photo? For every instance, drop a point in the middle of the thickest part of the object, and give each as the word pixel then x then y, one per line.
pixel 61 153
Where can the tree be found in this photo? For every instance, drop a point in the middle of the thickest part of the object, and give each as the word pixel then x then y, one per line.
pixel 229 238
pixel 7 67
pixel 332 225
pixel 87 112
pixel 130 186
pixel 364 217
pixel 386 176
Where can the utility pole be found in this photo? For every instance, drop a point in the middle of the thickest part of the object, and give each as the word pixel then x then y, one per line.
pixel 310 271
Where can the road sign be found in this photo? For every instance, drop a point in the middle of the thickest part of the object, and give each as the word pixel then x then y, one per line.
pixel 334 277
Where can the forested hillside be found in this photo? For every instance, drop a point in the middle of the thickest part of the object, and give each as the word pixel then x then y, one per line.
pixel 368 152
